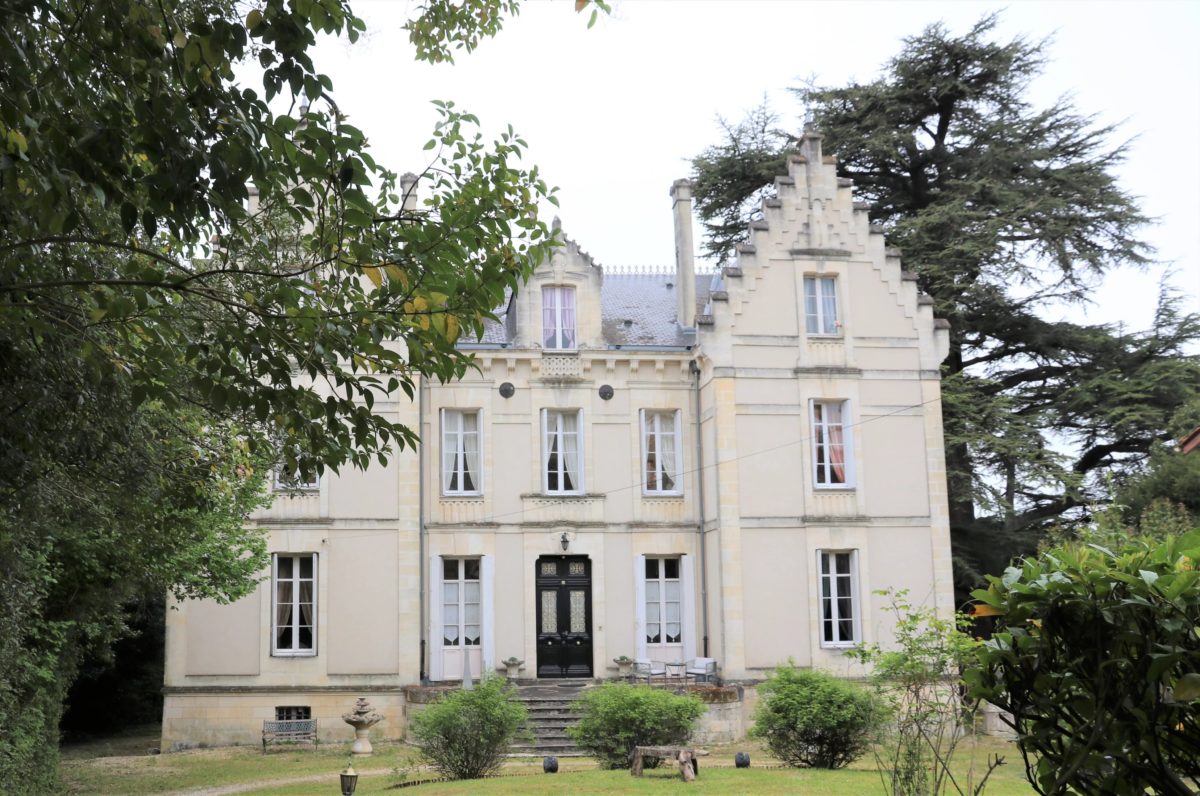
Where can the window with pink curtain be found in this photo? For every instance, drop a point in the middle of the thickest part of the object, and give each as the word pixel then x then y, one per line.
pixel 829 444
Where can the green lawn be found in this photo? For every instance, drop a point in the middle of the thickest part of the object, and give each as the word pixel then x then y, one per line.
pixel 284 772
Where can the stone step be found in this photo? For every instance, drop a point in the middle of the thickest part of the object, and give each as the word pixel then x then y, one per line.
pixel 550 709
pixel 547 748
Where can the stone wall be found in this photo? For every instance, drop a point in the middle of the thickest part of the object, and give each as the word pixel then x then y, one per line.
pixel 198 720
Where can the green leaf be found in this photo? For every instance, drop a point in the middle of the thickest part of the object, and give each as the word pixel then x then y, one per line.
pixel 1187 687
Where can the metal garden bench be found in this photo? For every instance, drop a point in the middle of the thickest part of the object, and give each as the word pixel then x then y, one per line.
pixel 289 730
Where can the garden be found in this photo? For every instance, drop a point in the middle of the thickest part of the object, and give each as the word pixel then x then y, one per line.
pixel 1093 656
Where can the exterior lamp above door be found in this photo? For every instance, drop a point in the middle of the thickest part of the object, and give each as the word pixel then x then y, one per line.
pixel 566 541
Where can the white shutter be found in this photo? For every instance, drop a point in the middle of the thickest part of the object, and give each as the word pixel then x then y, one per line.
pixel 642 459
pixel 435 618
pixel 487 576
pixel 545 457
pixel 688 606
pixel 639 606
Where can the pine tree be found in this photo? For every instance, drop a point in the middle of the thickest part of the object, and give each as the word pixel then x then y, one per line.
pixel 1007 213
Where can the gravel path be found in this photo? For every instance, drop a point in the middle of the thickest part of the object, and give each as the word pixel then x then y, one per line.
pixel 246 787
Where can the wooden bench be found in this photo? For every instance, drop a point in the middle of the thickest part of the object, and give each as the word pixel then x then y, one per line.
pixel 289 730
pixel 689 766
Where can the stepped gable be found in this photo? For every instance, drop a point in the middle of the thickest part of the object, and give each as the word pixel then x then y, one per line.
pixel 814 218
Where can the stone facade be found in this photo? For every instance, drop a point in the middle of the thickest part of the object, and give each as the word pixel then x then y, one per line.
pixel 657 465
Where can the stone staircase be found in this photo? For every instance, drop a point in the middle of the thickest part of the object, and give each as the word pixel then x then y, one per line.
pixel 549 707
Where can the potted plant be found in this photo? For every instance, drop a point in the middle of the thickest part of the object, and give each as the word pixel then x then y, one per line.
pixel 624 665
pixel 514 666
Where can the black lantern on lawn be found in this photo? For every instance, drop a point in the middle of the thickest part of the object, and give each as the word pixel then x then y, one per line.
pixel 741 760
pixel 550 764
pixel 349 781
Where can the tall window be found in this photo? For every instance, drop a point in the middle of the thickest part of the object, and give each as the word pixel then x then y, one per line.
pixel 561 451
pixel 295 615
pixel 664 622
pixel 820 305
pixel 558 317
pixel 661 453
pixel 839 600
pixel 460 602
pixel 831 445
pixel 460 452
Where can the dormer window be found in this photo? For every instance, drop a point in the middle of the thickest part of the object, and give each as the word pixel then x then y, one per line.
pixel 558 317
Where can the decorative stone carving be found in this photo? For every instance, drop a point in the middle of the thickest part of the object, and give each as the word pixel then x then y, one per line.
pixel 362 719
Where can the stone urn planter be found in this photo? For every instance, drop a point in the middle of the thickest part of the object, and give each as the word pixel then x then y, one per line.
pixel 362 719
pixel 624 666
pixel 513 667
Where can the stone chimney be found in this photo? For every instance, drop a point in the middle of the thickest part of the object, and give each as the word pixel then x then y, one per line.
pixel 408 191
pixel 685 265
pixel 810 141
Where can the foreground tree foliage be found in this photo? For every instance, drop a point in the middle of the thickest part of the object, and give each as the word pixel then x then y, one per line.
pixel 200 280
pixel 1097 659
pixel 1006 213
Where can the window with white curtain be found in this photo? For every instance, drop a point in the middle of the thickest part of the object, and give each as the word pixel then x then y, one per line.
pixel 461 473
pixel 839 597
pixel 562 452
pixel 831 448
pixel 821 306
pixel 664 597
pixel 558 317
pixel 662 455
pixel 294 619
pixel 461 616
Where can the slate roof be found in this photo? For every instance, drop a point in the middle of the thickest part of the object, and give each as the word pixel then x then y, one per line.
pixel 636 309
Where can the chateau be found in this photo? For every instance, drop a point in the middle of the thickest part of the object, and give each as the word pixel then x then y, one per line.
pixel 657 466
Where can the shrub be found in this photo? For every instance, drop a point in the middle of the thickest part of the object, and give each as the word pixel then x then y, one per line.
pixel 1096 659
pixel 917 677
pixel 465 733
pixel 809 718
pixel 616 718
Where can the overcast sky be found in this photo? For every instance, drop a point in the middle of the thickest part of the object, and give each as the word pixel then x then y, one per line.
pixel 613 114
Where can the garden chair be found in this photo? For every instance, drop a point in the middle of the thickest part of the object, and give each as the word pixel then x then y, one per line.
pixel 644 667
pixel 702 669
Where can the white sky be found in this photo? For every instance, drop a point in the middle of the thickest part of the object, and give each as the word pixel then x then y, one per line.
pixel 613 114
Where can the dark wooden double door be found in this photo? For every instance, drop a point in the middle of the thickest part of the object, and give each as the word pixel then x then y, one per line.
pixel 564 616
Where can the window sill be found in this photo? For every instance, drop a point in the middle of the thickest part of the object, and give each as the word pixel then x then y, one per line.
pixel 825 338
pixel 844 647
pixel 278 654
pixel 662 495
pixel 841 488
pixel 462 496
